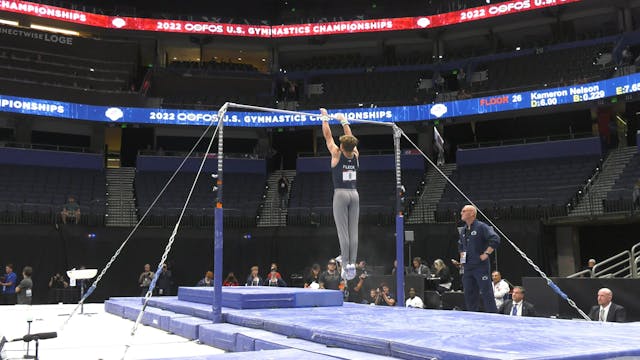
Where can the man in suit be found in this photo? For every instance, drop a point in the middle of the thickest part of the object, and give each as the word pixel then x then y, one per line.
pixel 607 311
pixel 517 306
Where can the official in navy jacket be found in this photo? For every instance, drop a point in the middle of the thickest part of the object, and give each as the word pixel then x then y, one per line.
pixel 477 241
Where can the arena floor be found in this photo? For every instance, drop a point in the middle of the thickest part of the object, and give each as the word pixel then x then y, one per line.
pixel 90 337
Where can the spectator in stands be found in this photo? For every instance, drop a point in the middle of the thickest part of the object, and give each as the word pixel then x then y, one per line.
pixel 24 290
pixel 590 264
pixel 330 278
pixel 441 271
pixel 517 306
pixel 8 283
pixel 606 310
pixel 456 277
pixel 438 81
pixel 414 301
pixel 418 268
pixel 346 201
pixel 461 76
pixel 635 196
pixel 70 211
pixel 58 282
pixel 500 288
pixel 374 297
pixel 358 286
pixel 165 281
pixel 387 298
pixel 627 56
pixel 476 243
pixel 395 266
pixel 312 280
pixel 463 94
pixel 274 269
pixel 207 280
pixel 283 190
pixel 273 279
pixel 144 280
pixel 253 279
pixel 231 280
pixel 59 291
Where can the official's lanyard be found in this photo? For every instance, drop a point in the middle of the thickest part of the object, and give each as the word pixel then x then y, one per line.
pixel 467 234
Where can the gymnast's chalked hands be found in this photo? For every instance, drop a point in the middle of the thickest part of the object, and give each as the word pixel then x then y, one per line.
pixel 343 120
pixel 324 115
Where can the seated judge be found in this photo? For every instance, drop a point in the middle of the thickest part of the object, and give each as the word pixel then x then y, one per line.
pixel 517 306
pixel 606 310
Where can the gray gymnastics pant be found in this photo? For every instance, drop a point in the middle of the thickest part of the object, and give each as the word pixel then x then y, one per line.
pixel 346 213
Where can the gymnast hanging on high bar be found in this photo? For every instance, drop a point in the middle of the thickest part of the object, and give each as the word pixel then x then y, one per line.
pixel 346 201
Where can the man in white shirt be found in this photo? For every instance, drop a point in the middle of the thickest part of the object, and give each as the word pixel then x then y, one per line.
pixel 607 311
pixel 414 301
pixel 500 288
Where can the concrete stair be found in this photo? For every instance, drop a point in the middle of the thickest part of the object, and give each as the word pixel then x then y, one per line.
pixel 271 214
pixel 121 202
pixel 614 164
pixel 424 209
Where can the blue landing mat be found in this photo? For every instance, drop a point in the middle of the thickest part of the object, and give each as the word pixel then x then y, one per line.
pixel 187 327
pixel 115 306
pixel 428 334
pixel 171 303
pixel 263 297
pixel 289 354
pixel 236 338
pixel 153 316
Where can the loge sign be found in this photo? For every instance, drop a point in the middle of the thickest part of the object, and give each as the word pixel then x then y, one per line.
pixel 277 31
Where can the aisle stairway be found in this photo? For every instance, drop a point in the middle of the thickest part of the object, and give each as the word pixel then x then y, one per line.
pixel 424 209
pixel 121 208
pixel 272 214
pixel 591 202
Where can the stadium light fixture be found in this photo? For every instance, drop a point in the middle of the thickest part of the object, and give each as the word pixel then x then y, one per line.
pixel 9 22
pixel 55 30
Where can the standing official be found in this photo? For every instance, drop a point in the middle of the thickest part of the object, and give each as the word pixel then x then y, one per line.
pixel 477 241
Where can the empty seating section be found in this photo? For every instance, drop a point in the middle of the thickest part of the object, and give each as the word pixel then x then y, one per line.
pixel 333 61
pixel 351 90
pixel 554 68
pixel 523 189
pixel 210 91
pixel 619 198
pixel 242 196
pixel 62 70
pixel 312 196
pixel 193 67
pixel 34 194
pixel 361 81
pixel 77 69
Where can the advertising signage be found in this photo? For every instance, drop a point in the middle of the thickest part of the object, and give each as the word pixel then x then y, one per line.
pixel 277 31
pixel 476 106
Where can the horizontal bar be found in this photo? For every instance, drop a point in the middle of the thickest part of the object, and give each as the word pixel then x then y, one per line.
pixel 260 108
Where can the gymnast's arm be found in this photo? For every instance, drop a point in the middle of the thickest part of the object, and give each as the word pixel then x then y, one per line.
pixel 347 129
pixel 345 124
pixel 326 132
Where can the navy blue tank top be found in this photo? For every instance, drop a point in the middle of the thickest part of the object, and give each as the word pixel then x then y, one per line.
pixel 345 173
